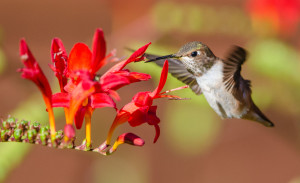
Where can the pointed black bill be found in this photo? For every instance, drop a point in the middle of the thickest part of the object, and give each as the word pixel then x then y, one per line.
pixel 162 57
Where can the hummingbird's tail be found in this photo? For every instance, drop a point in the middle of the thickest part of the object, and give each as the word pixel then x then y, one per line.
pixel 256 115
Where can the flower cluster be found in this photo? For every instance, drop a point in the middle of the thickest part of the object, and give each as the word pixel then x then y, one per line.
pixel 82 90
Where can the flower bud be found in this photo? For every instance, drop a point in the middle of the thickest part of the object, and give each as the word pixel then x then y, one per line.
pixel 69 131
pixel 130 138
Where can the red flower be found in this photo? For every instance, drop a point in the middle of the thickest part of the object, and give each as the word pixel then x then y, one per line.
pixel 80 96
pixel 140 109
pixel 33 72
pixel 282 16
pixel 84 93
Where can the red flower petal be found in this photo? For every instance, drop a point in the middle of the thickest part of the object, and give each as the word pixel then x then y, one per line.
pixel 113 81
pixel 99 100
pixel 121 117
pixel 99 50
pixel 118 79
pixel 135 76
pixel 59 58
pixel 129 108
pixel 80 59
pixel 157 133
pixel 61 100
pixel 26 55
pixel 152 119
pixel 142 99
pixel 163 79
pixel 32 70
pixel 70 86
pixel 138 116
pixel 79 116
pixel 114 95
pixel 136 56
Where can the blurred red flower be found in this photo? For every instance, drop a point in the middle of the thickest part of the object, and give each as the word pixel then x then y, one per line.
pixel 275 16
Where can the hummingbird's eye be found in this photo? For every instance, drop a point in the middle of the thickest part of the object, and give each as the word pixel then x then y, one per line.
pixel 194 53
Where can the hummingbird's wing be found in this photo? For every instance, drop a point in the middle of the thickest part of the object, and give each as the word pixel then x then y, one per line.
pixel 178 70
pixel 240 87
pixel 233 80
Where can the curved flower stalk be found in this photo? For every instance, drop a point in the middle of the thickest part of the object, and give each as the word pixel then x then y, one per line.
pixel 82 91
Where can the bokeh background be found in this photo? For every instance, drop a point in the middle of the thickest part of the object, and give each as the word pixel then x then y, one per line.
pixel 195 144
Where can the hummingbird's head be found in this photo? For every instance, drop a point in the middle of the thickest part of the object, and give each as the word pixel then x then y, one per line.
pixel 194 51
pixel 196 57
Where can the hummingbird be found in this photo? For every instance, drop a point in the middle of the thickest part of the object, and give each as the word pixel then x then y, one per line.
pixel 219 80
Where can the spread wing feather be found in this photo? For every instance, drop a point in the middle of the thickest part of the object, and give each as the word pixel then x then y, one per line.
pixel 233 80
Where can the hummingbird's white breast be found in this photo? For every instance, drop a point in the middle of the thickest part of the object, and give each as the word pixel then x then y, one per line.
pixel 221 100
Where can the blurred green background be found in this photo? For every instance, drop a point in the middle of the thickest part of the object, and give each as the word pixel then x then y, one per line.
pixel 195 144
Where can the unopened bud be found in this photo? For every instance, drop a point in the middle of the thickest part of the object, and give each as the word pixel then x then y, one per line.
pixel 69 131
pixel 130 138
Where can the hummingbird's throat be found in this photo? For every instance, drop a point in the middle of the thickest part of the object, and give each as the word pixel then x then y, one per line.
pixel 197 67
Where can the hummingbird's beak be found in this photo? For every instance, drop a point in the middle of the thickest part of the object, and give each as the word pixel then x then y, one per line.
pixel 163 57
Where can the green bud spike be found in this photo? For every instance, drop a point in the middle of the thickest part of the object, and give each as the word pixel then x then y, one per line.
pixel 11 120
pixel 5 125
pixel 17 135
pixel 12 130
